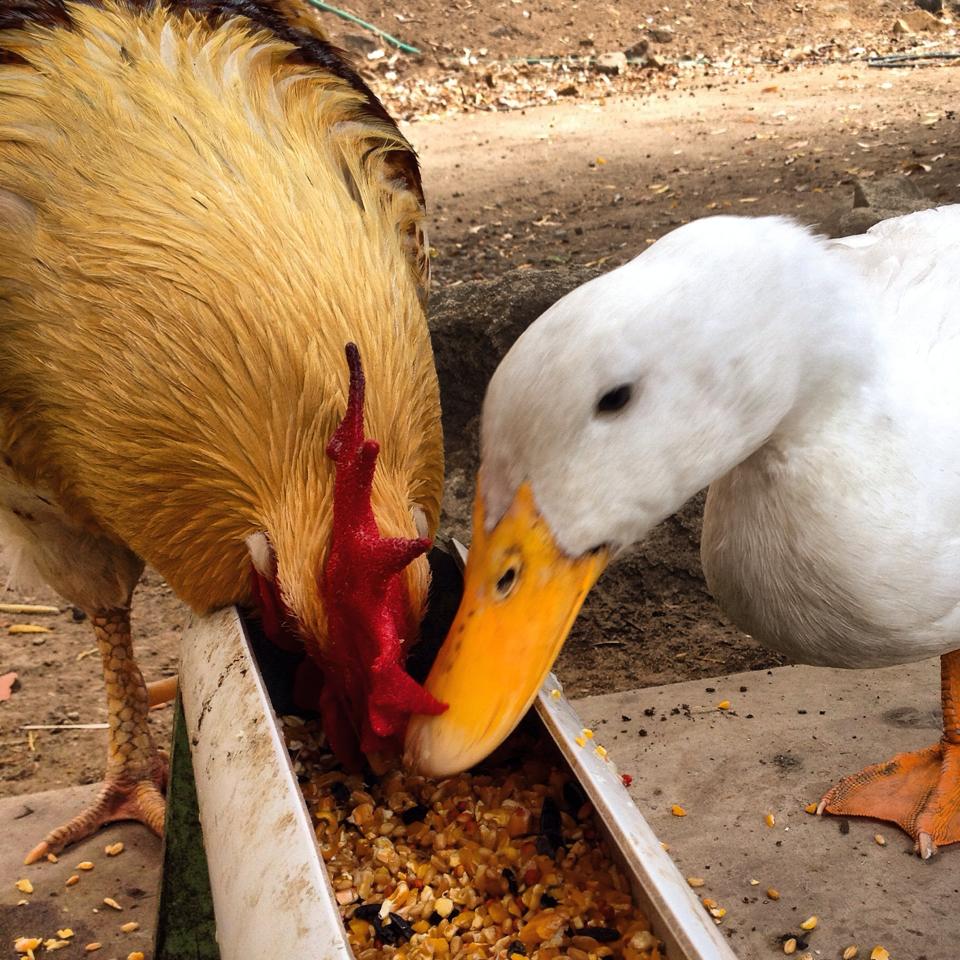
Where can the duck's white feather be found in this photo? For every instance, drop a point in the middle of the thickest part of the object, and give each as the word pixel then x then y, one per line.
pixel 815 385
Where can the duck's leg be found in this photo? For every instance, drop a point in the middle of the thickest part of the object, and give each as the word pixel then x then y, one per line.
pixel 920 791
pixel 136 772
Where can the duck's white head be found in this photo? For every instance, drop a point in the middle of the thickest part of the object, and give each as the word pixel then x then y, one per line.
pixel 624 399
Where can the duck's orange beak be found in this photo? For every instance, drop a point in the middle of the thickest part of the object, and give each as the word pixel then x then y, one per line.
pixel 521 596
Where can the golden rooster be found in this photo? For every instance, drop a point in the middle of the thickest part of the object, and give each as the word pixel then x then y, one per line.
pixel 201 205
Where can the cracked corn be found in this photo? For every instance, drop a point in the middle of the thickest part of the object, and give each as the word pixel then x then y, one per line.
pixel 481 865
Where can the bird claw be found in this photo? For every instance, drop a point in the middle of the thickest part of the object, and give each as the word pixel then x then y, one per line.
pixel 925 846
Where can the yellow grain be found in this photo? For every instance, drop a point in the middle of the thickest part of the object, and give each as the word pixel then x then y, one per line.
pixel 678 811
pixel 809 924
pixel 723 705
pixel 790 946
pixel 92 947
pixel 773 893
pixel 24 886
pixel 129 926
pixel 770 820
pixel 850 952
pixel 71 880
pixel 696 881
pixel 810 808
pixel 110 902
pixel 879 953
pixel 84 865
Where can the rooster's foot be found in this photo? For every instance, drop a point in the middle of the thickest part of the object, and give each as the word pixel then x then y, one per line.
pixel 120 798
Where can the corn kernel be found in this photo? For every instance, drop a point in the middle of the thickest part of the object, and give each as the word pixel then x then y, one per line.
pixel 879 840
pixel 850 952
pixel 678 811
pixel 85 865
pixel 65 934
pixel 879 953
pixel 770 820
pixel 810 808
pixel 26 944
pixel 696 881
pixel 110 902
pixel 129 926
pixel 555 693
pixel 71 880
pixel 790 946
pixel 809 924
pixel 718 913
pixel 601 752
pixel 723 705
pixel 580 742
pixel 773 893
pixel 93 947
pixel 24 886
pixel 136 955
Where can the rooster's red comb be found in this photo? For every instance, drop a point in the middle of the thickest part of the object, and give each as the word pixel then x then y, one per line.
pixel 367 695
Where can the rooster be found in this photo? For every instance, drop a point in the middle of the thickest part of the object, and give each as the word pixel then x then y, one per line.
pixel 201 206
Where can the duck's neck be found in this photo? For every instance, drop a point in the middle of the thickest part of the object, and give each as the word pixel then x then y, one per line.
pixel 805 356
pixel 772 365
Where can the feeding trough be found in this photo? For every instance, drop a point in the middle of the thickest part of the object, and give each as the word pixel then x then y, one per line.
pixel 271 891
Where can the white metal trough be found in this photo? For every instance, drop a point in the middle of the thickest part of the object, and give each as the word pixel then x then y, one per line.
pixel 271 893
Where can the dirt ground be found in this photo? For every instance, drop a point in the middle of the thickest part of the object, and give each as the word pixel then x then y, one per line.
pixel 776 112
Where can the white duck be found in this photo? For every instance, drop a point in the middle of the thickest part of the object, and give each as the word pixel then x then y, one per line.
pixel 815 386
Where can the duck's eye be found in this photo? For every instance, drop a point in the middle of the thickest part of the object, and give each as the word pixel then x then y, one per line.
pixel 508 580
pixel 615 399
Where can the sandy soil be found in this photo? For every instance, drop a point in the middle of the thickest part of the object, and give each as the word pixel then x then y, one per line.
pixel 581 182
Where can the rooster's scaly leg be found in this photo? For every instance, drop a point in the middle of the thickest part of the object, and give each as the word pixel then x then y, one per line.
pixel 136 773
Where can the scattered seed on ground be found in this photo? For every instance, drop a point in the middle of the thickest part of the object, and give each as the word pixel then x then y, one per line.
pixel 773 893
pixel 113 849
pixel 879 840
pixel 110 902
pixel 92 947
pixel 696 881
pixel 72 879
pixel 85 865
pixel 790 945
pixel 129 926
pixel 879 953
pixel 810 808
pixel 770 820
pixel 809 924
pixel 850 952
pixel 678 811
pixel 24 886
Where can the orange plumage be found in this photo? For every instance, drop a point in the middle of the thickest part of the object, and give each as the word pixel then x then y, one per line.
pixel 200 205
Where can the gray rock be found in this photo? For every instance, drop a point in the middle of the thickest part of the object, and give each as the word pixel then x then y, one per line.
pixel 879 199
pixel 638 51
pixel 660 34
pixel 612 63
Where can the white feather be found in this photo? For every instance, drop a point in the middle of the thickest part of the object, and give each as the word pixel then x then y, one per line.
pixel 814 384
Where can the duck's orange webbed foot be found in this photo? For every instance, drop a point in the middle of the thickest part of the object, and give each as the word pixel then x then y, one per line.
pixel 119 799
pixel 919 791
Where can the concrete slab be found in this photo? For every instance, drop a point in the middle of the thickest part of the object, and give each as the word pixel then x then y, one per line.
pixel 132 879
pixel 790 733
